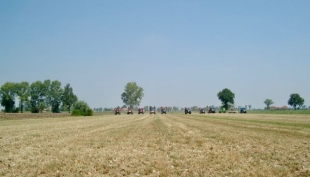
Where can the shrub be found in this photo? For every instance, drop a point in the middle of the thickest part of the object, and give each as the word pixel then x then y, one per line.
pixel 89 112
pixel 35 110
pixel 77 112
pixel 81 108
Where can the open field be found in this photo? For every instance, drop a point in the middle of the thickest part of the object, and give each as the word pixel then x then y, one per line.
pixel 290 111
pixel 157 145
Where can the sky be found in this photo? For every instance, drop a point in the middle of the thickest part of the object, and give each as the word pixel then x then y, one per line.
pixel 182 53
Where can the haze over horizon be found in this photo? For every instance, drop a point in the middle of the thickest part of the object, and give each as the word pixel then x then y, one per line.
pixel 182 53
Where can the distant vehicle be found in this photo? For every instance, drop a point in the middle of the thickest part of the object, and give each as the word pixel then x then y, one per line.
pixel 211 110
pixel 152 110
pixel 130 111
pixel 242 110
pixel 117 111
pixel 163 110
pixel 222 110
pixel 141 111
pixel 187 110
pixel 202 110
pixel 232 110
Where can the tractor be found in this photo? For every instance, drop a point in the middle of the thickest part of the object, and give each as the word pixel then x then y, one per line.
pixel 163 110
pixel 232 110
pixel 222 110
pixel 242 110
pixel 130 111
pixel 211 110
pixel 202 111
pixel 152 110
pixel 117 111
pixel 141 111
pixel 187 110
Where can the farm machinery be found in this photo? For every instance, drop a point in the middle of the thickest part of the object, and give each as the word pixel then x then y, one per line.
pixel 242 110
pixel 222 110
pixel 117 111
pixel 130 111
pixel 141 111
pixel 163 110
pixel 187 110
pixel 232 110
pixel 152 110
pixel 211 110
pixel 202 111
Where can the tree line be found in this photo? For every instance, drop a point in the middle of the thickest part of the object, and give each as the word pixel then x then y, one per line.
pixel 37 96
pixel 133 95
pixel 295 100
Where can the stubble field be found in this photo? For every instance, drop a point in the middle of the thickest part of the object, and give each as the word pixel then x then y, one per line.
pixel 157 145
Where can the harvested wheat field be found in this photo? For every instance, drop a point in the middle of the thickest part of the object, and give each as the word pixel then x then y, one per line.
pixel 156 145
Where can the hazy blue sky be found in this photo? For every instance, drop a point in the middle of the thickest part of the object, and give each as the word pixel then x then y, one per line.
pixel 181 52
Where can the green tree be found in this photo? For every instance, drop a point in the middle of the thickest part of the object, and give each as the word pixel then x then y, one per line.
pixel 68 98
pixel 8 93
pixel 38 96
pixel 226 97
pixel 132 95
pixel 22 91
pixel 54 95
pixel 268 102
pixel 295 100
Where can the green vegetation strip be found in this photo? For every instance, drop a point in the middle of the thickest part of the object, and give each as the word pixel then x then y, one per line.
pixel 279 111
pixel 292 124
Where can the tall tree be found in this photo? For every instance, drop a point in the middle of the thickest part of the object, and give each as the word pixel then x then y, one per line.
pixel 132 95
pixel 296 100
pixel 226 96
pixel 22 91
pixel 38 96
pixel 7 93
pixel 54 95
pixel 68 98
pixel 268 102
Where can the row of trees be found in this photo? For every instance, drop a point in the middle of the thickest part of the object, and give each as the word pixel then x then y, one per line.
pixel 37 95
pixel 295 100
pixel 133 94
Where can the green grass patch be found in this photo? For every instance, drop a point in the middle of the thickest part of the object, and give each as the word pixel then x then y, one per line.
pixel 279 123
pixel 278 111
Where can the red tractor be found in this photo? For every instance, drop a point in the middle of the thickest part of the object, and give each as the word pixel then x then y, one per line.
pixel 130 111
pixel 141 111
pixel 117 111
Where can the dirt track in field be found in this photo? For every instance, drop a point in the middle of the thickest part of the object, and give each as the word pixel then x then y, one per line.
pixel 157 145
